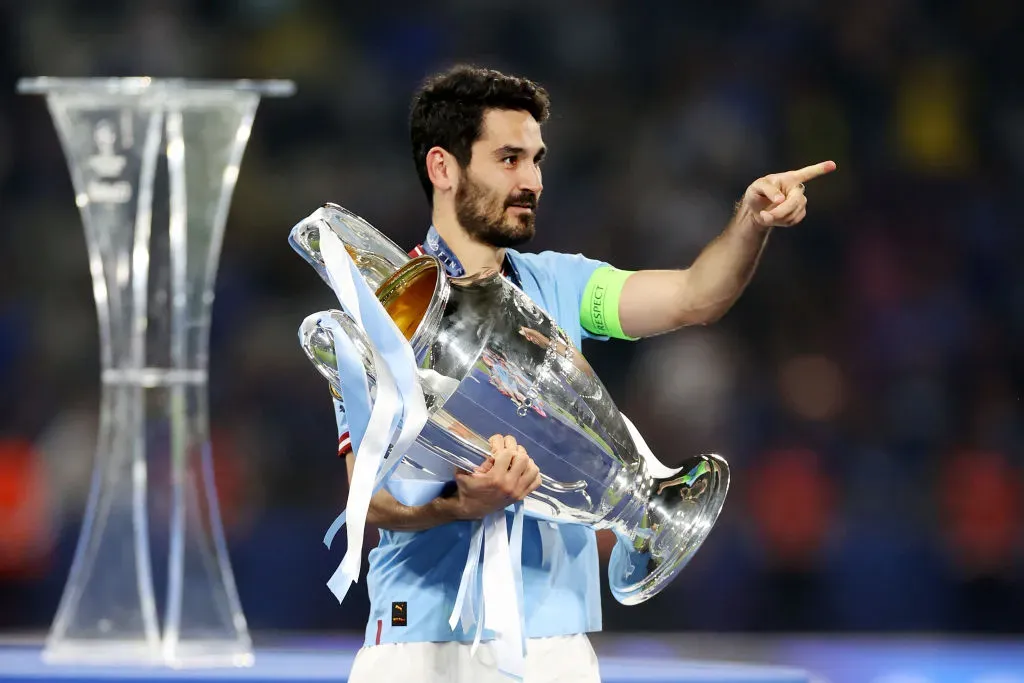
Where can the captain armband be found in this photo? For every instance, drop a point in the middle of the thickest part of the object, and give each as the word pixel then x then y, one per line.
pixel 599 310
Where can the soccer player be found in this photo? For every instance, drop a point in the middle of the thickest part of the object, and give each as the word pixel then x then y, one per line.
pixel 478 149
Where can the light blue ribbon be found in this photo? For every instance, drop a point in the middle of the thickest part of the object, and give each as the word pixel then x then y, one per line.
pixel 395 368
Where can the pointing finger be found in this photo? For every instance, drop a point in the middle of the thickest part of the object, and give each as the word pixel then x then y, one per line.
pixel 811 172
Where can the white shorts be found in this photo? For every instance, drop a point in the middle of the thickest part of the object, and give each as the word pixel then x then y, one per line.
pixel 566 659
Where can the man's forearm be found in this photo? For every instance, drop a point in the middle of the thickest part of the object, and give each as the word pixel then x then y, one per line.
pixel 387 513
pixel 723 270
pixel 658 301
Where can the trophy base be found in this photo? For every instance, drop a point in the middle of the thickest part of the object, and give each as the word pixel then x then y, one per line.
pixel 91 652
pixel 679 515
pixel 198 654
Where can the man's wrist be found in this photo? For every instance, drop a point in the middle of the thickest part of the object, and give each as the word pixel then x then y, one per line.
pixel 449 509
pixel 746 224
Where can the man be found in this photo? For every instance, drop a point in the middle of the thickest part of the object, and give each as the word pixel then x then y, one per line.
pixel 477 144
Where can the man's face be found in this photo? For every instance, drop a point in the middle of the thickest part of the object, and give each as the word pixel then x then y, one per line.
pixel 496 198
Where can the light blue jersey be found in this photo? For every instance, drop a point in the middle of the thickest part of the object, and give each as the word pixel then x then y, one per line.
pixel 413 577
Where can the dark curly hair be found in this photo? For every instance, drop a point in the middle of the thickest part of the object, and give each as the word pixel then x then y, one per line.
pixel 448 111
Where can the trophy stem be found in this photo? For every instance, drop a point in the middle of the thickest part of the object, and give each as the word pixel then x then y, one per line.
pixel 154 243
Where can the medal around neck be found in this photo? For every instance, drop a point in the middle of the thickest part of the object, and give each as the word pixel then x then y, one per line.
pixel 491 361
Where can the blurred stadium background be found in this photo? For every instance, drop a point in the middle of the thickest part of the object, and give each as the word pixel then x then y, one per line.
pixel 866 389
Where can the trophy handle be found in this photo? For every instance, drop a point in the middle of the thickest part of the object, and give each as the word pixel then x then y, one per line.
pixel 317 343
pixel 375 256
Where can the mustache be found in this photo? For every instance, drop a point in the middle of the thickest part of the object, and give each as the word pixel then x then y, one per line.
pixel 525 199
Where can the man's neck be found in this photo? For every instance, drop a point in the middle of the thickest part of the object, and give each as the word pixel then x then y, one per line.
pixel 474 256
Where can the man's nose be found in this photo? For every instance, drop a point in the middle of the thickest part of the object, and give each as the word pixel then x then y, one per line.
pixel 531 179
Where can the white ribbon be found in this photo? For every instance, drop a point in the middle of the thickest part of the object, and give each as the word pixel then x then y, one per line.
pixel 383 334
pixel 464 608
pixel 369 458
pixel 501 602
pixel 502 611
pixel 400 401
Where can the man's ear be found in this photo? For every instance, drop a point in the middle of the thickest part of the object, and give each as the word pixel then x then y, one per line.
pixel 442 169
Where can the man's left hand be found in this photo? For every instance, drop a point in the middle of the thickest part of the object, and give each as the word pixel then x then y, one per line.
pixel 778 199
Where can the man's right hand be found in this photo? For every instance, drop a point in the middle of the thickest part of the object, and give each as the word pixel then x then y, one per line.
pixel 509 476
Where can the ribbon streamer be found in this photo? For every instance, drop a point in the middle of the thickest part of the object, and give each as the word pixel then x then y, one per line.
pixel 398 401
pixel 494 561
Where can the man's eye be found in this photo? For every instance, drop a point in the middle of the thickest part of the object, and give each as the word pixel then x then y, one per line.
pixel 509 161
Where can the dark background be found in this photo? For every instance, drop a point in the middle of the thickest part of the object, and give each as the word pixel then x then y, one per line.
pixel 866 389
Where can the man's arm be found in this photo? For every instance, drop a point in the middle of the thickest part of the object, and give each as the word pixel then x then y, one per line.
pixel 387 513
pixel 657 301
pixel 509 476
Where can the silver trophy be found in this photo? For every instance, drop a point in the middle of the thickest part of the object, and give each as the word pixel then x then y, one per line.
pixel 492 361
pixel 153 284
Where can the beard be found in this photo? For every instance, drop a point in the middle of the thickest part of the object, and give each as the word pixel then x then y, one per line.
pixel 485 216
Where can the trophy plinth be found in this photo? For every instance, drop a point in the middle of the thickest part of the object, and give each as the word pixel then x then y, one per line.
pixel 153 232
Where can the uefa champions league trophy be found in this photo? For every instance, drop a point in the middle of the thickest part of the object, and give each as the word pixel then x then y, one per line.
pixel 491 360
pixel 153 281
